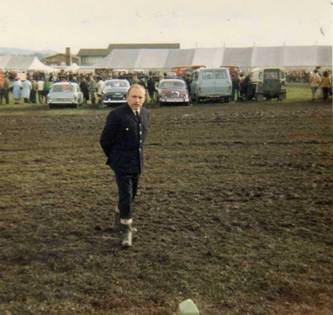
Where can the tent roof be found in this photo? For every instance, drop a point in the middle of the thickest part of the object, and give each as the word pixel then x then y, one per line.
pixel 210 57
pixel 4 61
pixel 249 57
pixel 22 63
pixel 151 58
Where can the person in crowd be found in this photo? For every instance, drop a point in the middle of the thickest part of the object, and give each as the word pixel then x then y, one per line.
pixel 17 85
pixel 26 90
pixel 143 81
pixel 4 93
pixel 188 81
pixel 235 86
pixel 1 86
pixel 135 79
pixel 315 81
pixel 85 90
pixel 40 90
pixel 92 90
pixel 100 87
pixel 243 82
pixel 46 89
pixel 33 92
pixel 326 85
pixel 122 141
pixel 151 88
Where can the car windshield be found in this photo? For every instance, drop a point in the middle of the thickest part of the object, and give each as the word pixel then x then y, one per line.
pixel 271 74
pixel 172 85
pixel 62 88
pixel 117 84
pixel 214 74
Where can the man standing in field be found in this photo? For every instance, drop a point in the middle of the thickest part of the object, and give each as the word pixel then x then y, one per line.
pixel 315 81
pixel 122 142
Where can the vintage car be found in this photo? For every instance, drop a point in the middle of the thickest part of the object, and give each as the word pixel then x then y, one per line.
pixel 172 91
pixel 115 91
pixel 266 83
pixel 211 83
pixel 65 94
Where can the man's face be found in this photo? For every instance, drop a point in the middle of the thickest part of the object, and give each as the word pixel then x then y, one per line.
pixel 136 98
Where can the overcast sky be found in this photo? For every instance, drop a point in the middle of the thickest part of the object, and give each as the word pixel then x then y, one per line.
pixel 56 24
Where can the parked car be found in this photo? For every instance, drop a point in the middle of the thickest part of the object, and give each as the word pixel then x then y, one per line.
pixel 115 91
pixel 172 91
pixel 211 83
pixel 65 94
pixel 267 83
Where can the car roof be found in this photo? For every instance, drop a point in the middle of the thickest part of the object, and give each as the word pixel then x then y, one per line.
pixel 267 68
pixel 174 80
pixel 209 69
pixel 64 83
pixel 110 80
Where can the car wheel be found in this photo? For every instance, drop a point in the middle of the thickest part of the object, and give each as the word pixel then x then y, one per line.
pixel 281 97
pixel 196 99
pixel 259 97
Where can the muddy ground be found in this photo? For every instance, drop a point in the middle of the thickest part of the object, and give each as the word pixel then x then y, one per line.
pixel 235 211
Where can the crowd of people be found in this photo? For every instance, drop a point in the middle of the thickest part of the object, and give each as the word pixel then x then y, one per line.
pixel 35 86
pixel 298 76
pixel 320 82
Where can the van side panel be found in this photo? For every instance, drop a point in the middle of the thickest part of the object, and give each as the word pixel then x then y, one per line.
pixel 223 83
pixel 213 83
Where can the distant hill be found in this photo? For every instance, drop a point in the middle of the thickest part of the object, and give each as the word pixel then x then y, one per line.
pixel 26 52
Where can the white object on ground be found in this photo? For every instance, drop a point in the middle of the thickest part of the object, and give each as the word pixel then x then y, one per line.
pixel 187 307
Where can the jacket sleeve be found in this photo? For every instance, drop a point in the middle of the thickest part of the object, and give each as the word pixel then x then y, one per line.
pixel 109 133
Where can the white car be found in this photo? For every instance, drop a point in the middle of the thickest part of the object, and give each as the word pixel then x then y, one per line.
pixel 65 94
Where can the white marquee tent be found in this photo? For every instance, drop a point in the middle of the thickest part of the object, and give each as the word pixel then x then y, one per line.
pixel 248 57
pixel 23 64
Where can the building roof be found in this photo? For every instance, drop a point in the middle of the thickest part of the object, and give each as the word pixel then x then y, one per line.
pixel 93 52
pixel 59 54
pixel 103 52
pixel 144 46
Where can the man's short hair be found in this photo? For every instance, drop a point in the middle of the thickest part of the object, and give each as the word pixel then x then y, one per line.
pixel 135 86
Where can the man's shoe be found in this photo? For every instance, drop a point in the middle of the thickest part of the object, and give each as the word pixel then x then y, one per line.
pixel 126 235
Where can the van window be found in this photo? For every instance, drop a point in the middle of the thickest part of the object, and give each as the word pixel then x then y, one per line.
pixel 221 74
pixel 214 74
pixel 196 75
pixel 271 74
pixel 208 75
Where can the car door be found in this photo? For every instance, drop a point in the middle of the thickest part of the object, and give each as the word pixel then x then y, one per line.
pixel 272 84
pixel 207 83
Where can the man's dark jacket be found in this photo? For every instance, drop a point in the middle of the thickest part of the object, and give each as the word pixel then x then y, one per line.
pixel 123 137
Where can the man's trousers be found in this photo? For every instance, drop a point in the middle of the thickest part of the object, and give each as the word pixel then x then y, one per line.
pixel 127 189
